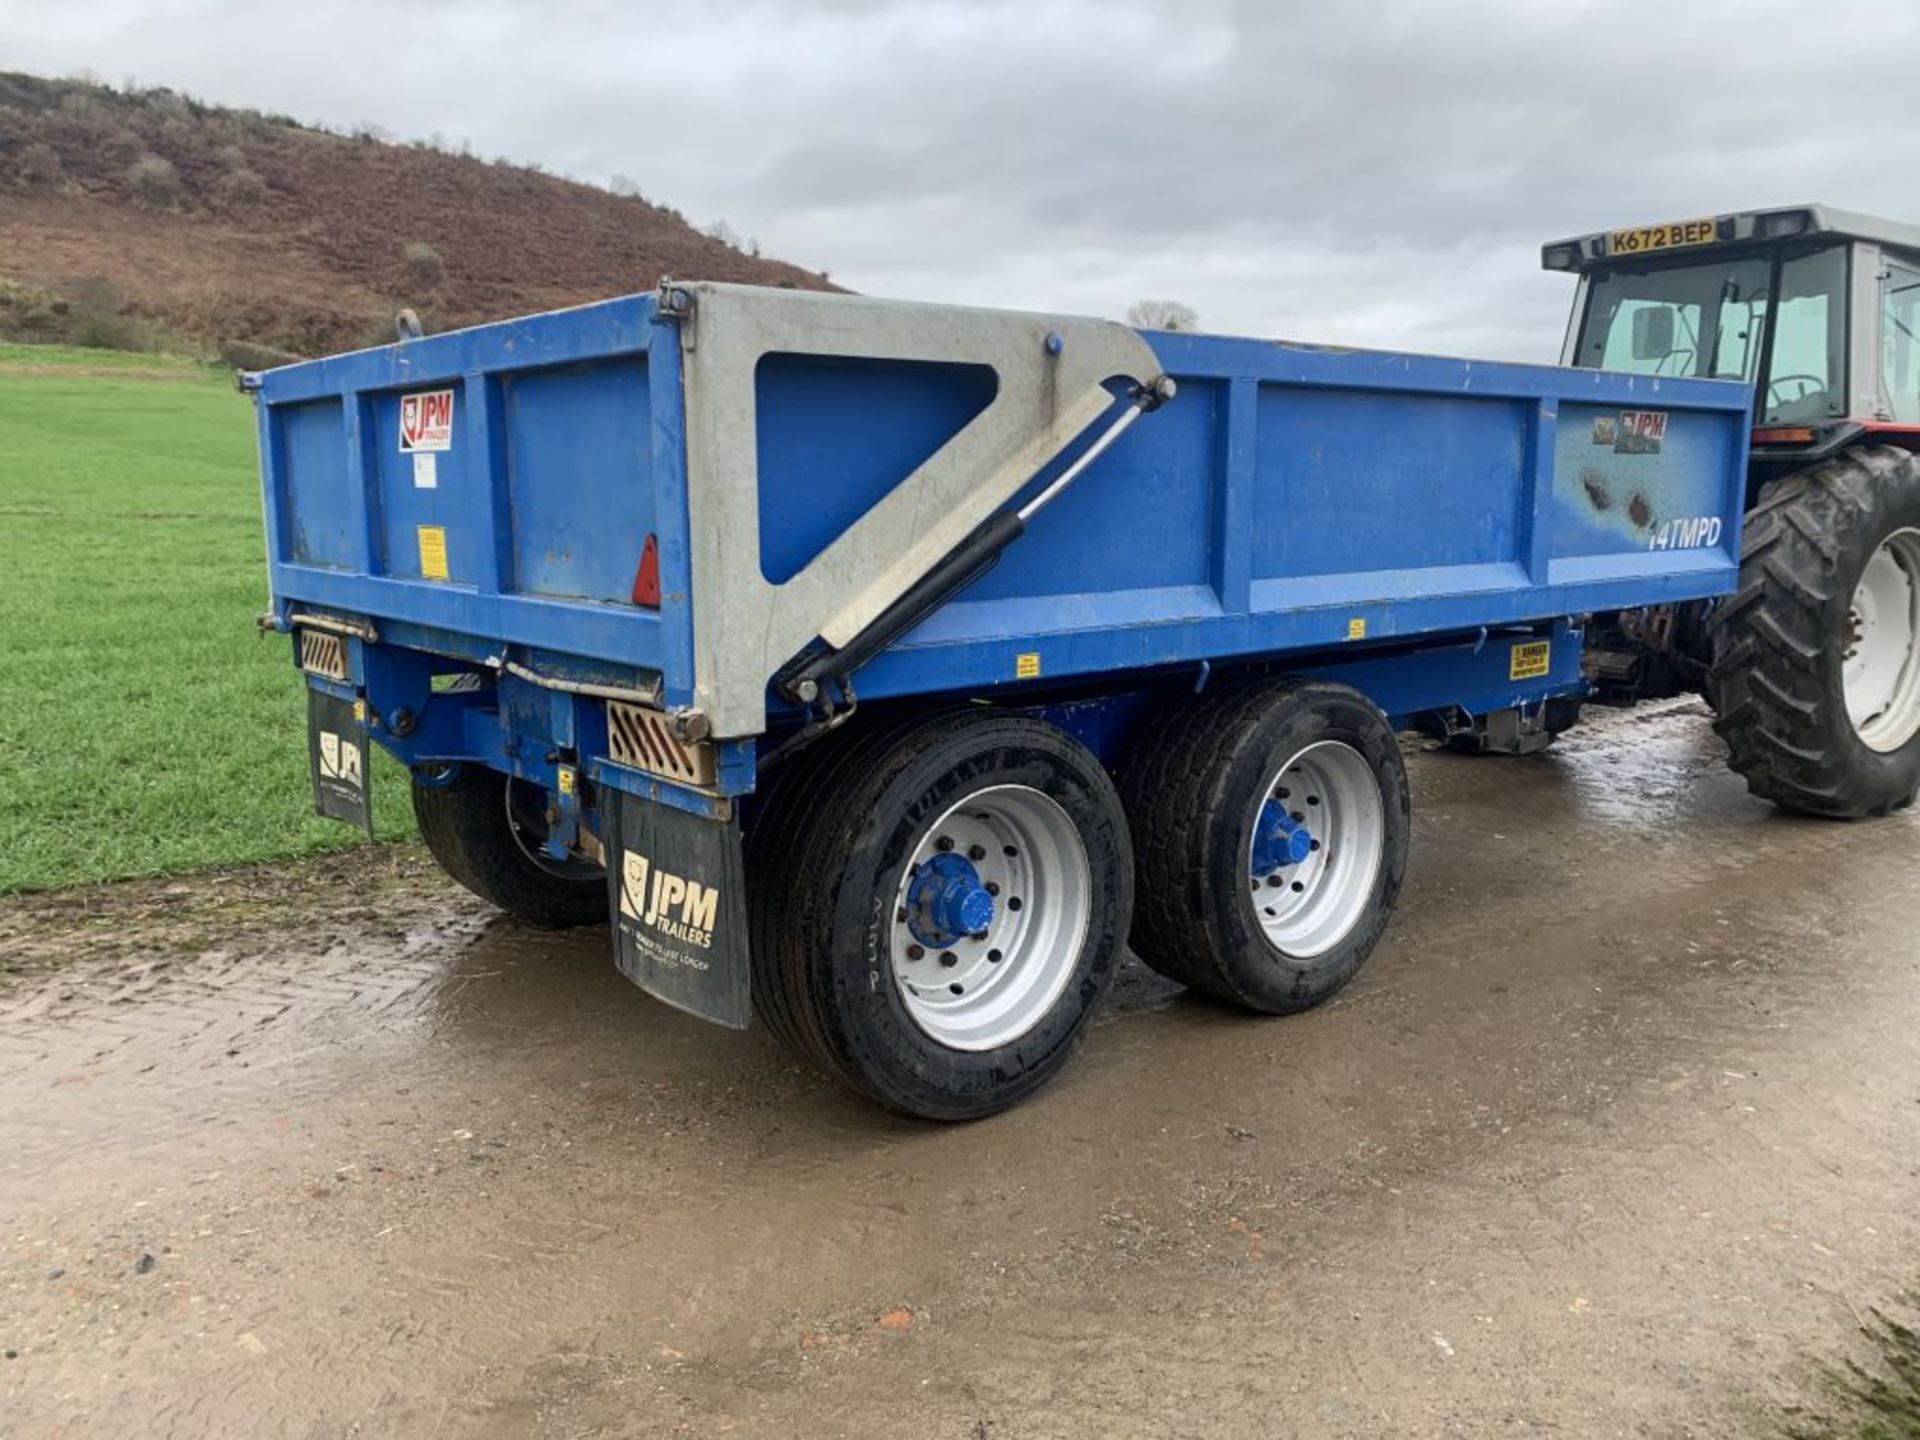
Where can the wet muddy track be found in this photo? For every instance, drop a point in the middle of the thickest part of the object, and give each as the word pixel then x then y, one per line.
pixel 1621 1125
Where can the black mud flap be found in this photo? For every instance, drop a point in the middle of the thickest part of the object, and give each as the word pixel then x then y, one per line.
pixel 679 901
pixel 337 758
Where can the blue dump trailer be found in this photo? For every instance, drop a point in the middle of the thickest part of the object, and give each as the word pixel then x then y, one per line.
pixel 883 670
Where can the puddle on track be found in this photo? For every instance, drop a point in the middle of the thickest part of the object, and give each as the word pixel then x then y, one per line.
pixel 1623 1118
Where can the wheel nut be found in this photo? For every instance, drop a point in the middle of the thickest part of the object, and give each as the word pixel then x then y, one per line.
pixel 914 952
pixel 992 888
pixel 945 842
pixel 976 852
pixel 949 959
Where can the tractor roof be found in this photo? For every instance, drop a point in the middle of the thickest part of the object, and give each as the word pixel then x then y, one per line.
pixel 1739 227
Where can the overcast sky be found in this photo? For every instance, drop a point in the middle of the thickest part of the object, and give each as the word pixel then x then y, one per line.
pixel 1363 173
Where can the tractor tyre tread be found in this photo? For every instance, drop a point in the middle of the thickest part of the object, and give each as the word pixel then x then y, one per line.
pixel 1776 675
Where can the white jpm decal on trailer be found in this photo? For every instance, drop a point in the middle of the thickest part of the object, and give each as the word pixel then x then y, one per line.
pixel 426 421
pixel 339 759
pixel 682 909
pixel 1696 532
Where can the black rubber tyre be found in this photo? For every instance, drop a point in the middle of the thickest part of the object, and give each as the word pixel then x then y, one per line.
pixel 1780 643
pixel 1194 785
pixel 465 824
pixel 826 856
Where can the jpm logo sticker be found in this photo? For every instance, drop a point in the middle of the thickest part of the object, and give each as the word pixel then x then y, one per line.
pixel 426 421
pixel 1636 432
pixel 681 909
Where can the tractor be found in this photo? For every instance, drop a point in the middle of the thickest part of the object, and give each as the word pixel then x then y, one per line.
pixel 1813 666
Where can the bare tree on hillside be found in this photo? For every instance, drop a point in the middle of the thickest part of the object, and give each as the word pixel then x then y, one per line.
pixel 1162 315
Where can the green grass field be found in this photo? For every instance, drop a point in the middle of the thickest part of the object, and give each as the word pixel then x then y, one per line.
pixel 145 728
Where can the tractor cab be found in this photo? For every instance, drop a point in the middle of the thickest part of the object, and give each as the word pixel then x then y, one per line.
pixel 1813 665
pixel 1818 309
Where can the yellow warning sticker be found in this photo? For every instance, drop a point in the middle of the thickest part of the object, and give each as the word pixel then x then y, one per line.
pixel 1531 659
pixel 1356 628
pixel 433 552
pixel 565 773
pixel 360 711
pixel 1027 666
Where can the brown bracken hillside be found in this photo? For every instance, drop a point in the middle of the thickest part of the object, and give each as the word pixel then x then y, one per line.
pixel 136 218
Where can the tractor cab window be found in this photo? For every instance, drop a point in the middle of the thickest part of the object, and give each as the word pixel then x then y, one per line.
pixel 1710 318
pixel 1900 343
pixel 1705 319
pixel 1806 381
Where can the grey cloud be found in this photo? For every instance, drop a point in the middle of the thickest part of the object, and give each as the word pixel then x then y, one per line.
pixel 1362 173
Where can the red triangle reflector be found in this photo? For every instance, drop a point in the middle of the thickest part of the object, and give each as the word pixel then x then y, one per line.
pixel 646 580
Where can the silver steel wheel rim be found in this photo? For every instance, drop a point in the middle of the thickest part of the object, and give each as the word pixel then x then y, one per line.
pixel 1308 907
pixel 986 990
pixel 1880 669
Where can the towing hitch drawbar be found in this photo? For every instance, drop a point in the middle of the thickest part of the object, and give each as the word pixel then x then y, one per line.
pixel 801 679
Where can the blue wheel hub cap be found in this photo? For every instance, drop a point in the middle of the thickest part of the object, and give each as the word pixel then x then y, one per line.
pixel 1278 839
pixel 946 901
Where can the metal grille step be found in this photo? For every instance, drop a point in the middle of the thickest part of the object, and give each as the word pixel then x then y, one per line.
pixel 639 738
pixel 323 654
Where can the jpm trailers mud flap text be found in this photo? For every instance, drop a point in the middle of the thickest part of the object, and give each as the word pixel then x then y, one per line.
pixel 337 757
pixel 679 907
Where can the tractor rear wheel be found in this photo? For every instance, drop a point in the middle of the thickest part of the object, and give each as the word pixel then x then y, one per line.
pixel 1816 668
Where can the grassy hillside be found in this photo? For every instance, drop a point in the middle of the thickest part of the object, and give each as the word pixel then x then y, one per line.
pixel 144 726
pixel 142 217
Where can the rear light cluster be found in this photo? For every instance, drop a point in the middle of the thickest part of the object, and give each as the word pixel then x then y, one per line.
pixel 646 580
pixel 1783 435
